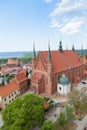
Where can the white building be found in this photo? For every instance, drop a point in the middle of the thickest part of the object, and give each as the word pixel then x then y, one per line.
pixel 64 85
pixel 8 93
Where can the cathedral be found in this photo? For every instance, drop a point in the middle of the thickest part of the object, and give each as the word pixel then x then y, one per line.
pixel 48 67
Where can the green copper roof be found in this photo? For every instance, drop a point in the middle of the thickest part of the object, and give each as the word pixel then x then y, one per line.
pixel 64 80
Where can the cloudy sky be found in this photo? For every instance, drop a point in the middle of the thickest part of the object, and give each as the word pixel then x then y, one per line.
pixel 24 22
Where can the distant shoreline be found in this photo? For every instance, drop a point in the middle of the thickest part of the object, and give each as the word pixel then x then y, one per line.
pixel 13 54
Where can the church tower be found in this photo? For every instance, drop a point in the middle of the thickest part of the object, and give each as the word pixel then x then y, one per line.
pixel 73 48
pixel 60 46
pixel 49 60
pixel 49 73
pixel 81 55
pixel 34 57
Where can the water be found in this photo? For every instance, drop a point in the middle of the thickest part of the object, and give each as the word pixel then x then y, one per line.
pixel 13 54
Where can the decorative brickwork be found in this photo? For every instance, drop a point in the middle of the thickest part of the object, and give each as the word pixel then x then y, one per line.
pixel 45 73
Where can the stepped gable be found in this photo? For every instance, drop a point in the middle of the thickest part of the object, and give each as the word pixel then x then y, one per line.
pixel 62 61
pixel 9 88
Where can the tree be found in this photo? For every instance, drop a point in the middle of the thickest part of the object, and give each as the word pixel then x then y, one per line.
pixel 48 125
pixel 69 113
pixel 24 113
pixel 79 100
pixel 62 123
pixel 86 55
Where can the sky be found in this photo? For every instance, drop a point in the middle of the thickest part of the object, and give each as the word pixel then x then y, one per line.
pixel 27 22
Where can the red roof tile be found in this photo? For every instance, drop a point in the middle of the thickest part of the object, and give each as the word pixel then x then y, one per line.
pixel 62 61
pixel 9 88
pixel 13 61
pixel 21 77
pixel 46 104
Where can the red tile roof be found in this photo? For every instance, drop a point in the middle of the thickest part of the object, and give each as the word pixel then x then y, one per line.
pixel 13 61
pixel 23 71
pixel 62 61
pixel 21 77
pixel 11 70
pixel 46 104
pixel 9 88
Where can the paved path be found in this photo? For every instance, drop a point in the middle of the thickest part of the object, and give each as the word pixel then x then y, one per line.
pixel 81 85
pixel 1 122
pixel 81 124
pixel 53 114
pixel 77 122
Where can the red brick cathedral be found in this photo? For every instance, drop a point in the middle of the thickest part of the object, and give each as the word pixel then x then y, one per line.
pixel 48 67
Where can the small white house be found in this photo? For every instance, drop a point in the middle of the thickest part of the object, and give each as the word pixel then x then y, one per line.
pixel 64 85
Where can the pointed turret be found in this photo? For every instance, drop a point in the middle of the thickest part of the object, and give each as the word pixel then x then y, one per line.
pixel 34 53
pixel 81 54
pixel 82 50
pixel 49 54
pixel 73 48
pixel 66 47
pixel 60 46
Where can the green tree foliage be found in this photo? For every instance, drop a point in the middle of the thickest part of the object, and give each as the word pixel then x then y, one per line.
pixel 62 123
pixel 86 55
pixel 24 113
pixel 26 58
pixel 79 100
pixel 3 61
pixel 48 125
pixel 69 113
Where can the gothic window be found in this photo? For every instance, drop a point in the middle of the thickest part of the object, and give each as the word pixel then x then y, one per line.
pixel 4 99
pixel 5 104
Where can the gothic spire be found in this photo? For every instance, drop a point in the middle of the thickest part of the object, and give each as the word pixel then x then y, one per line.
pixel 73 48
pixel 82 50
pixel 34 53
pixel 49 54
pixel 60 46
pixel 66 47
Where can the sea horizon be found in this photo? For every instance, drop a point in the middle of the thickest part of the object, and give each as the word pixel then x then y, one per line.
pixel 13 54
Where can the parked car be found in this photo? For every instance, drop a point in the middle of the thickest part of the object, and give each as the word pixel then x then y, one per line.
pixel 83 82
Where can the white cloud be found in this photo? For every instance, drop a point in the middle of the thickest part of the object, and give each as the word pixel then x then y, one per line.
pixel 69 16
pixel 48 1
pixel 73 25
pixel 55 24
pixel 68 6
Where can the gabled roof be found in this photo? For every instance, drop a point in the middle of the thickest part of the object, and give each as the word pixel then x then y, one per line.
pixel 13 61
pixel 62 61
pixel 21 77
pixel 9 88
